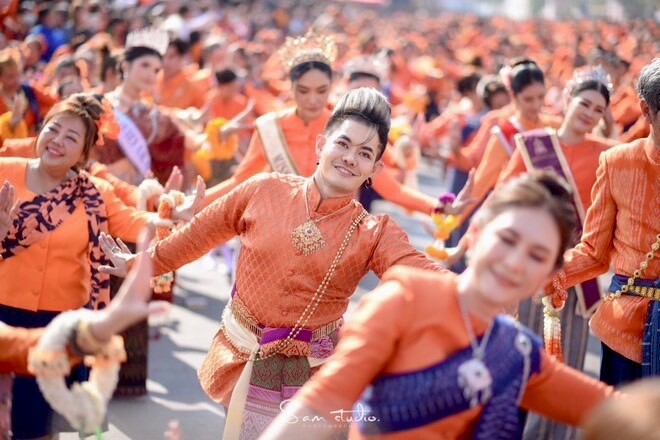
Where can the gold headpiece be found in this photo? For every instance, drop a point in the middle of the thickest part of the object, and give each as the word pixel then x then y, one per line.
pixel 310 47
pixel 151 38
pixel 376 65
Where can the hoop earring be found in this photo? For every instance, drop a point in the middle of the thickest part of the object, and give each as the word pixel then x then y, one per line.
pixel 367 183
pixel 317 162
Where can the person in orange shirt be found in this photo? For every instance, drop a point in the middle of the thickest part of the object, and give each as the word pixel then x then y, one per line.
pixel 225 101
pixel 47 265
pixel 431 356
pixel 30 102
pixel 283 141
pixel 573 153
pixel 525 81
pixel 622 231
pixel 297 271
pixel 173 87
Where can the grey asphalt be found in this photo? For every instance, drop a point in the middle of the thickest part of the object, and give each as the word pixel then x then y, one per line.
pixel 202 291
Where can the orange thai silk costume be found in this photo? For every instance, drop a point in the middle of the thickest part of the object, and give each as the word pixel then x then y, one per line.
pixel 274 283
pixel 496 157
pixel 621 225
pixel 300 140
pixel 412 323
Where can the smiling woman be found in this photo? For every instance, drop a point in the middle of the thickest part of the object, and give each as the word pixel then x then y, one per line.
pixel 429 354
pixel 49 249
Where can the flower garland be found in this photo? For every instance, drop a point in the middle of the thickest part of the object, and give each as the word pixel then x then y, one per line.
pixel 84 405
pixel 168 202
pixel 444 226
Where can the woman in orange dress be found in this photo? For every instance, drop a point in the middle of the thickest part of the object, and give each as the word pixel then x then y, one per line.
pixel 283 140
pixel 306 244
pixel 428 355
pixel 49 249
pixel 526 83
pixel 573 153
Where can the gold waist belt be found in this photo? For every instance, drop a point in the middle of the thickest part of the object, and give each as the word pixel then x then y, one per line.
pixel 647 292
pixel 250 325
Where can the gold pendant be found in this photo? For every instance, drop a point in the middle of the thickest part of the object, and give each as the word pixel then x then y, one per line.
pixel 308 238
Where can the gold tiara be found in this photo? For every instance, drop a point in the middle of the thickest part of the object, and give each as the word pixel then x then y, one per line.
pixel 151 38
pixel 310 47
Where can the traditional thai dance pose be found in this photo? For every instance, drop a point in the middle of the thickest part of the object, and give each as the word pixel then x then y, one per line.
pixel 430 356
pixel 306 244
pixel 622 230
pixel 573 153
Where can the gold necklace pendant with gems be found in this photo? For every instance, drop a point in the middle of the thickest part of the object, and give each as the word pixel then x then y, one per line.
pixel 308 238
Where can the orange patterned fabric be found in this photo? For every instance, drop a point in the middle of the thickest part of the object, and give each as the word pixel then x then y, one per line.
pixel 620 228
pixel 273 280
pixel 411 322
pixel 301 140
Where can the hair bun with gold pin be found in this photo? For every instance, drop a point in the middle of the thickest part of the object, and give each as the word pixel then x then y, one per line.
pixel 310 47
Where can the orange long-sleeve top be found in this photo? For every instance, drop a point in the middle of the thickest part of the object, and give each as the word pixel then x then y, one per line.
pixel 225 109
pixel 301 139
pixel 178 92
pixel 495 159
pixel 621 225
pixel 582 161
pixel 470 156
pixel 45 101
pixel 412 322
pixel 275 282
pixel 54 274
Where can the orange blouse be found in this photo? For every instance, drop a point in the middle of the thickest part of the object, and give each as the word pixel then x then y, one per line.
pixel 54 274
pixel 412 322
pixel 301 139
pixel 273 280
pixel 582 160
pixel 621 225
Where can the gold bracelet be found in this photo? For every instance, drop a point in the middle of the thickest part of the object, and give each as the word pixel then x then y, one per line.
pixel 86 341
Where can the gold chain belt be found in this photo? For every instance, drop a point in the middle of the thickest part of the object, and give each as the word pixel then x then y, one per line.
pixel 647 292
pixel 250 325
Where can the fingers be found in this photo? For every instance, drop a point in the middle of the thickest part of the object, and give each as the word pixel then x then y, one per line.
pixel 6 196
pixel 112 271
pixel 123 246
pixel 14 209
pixel 199 197
pixel 175 181
pixel 108 245
pixel 157 308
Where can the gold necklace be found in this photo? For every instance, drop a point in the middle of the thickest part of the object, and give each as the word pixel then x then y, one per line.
pixel 308 238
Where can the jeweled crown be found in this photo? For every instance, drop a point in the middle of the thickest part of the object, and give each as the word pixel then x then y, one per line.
pixel 152 38
pixel 589 73
pixel 310 47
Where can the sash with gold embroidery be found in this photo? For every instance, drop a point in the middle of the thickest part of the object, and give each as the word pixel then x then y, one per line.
pixel 274 143
pixel 540 149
